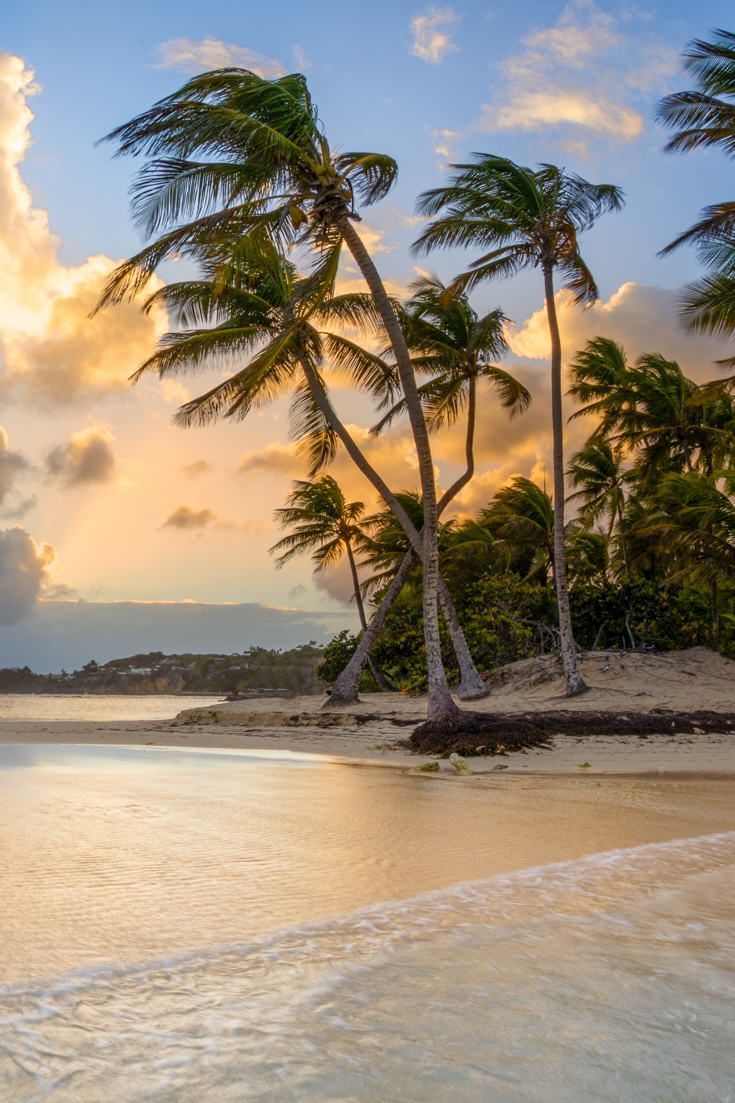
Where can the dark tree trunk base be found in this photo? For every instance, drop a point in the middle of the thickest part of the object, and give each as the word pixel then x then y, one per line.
pixel 481 733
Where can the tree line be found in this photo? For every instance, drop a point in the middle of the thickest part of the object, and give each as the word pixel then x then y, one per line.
pixel 239 178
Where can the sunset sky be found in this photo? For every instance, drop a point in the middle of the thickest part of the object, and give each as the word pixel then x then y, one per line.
pixel 120 532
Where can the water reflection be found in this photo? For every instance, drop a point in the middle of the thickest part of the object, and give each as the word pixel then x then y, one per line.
pixel 123 854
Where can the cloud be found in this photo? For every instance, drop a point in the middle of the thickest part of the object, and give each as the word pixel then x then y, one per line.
pixel 301 61
pixel 444 142
pixel 641 317
pixel 536 110
pixel 336 582
pixel 69 633
pixel 49 347
pixel 189 56
pixel 430 41
pixel 12 464
pixel 580 76
pixel 197 468
pixel 18 511
pixel 189 518
pixel 274 458
pixel 23 566
pixel 87 457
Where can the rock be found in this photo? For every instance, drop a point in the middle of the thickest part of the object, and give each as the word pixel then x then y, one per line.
pixel 427 768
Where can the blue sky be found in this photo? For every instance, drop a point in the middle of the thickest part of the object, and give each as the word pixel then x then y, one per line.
pixel 570 83
pixel 98 65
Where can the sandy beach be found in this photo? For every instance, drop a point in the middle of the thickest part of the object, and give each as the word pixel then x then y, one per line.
pixel 374 731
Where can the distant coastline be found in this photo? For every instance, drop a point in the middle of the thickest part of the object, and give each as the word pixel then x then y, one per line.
pixel 257 671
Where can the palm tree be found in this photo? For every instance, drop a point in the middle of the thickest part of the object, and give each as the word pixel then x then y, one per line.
pixel 704 117
pixel 233 152
pixel 458 348
pixel 652 408
pixel 598 470
pixel 326 526
pixel 693 527
pixel 521 518
pixel 266 304
pixel 527 218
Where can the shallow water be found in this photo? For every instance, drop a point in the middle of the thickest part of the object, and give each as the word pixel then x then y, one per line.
pixel 103 707
pixel 197 928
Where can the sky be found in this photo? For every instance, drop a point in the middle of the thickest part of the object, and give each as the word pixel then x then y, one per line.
pixel 120 532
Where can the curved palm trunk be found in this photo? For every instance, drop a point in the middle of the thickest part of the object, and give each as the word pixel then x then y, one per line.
pixel 471 685
pixel 572 674
pixel 441 708
pixel 375 670
pixel 346 688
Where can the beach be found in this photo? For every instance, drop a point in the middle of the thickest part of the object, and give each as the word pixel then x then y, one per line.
pixel 375 730
pixel 269 892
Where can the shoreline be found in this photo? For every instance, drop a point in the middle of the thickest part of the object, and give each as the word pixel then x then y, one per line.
pixel 376 729
pixel 711 755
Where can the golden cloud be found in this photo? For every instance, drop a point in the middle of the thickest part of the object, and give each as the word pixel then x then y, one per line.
pixel 49 345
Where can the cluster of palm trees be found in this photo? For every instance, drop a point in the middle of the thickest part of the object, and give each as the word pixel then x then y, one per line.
pixel 239 178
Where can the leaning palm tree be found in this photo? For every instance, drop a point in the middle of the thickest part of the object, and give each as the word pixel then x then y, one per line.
pixel 262 315
pixel 232 152
pixel 527 218
pixel 324 525
pixel 703 117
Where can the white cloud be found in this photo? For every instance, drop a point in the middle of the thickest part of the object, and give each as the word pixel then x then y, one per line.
pixel 536 110
pixel 443 143
pixel 48 344
pixel 579 76
pixel 300 59
pixel 87 457
pixel 23 566
pixel 431 40
pixel 211 53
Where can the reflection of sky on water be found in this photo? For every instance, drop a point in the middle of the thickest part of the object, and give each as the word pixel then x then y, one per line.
pixel 63 756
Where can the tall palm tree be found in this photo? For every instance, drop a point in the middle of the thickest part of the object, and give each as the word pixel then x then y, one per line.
pixel 263 307
pixel 527 218
pixel 325 526
pixel 231 151
pixel 703 117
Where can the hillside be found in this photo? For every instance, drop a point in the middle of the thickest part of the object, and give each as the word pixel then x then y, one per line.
pixel 292 671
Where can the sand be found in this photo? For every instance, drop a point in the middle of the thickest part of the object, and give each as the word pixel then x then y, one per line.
pixel 373 731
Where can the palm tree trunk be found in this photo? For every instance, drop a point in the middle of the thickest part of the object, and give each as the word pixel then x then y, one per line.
pixel 471 685
pixel 441 708
pixel 575 683
pixel 346 688
pixel 375 670
pixel 469 447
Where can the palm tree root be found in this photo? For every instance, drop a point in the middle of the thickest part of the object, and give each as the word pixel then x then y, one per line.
pixel 481 733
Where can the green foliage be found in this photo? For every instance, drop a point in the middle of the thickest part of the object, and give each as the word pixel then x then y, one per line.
pixel 642 613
